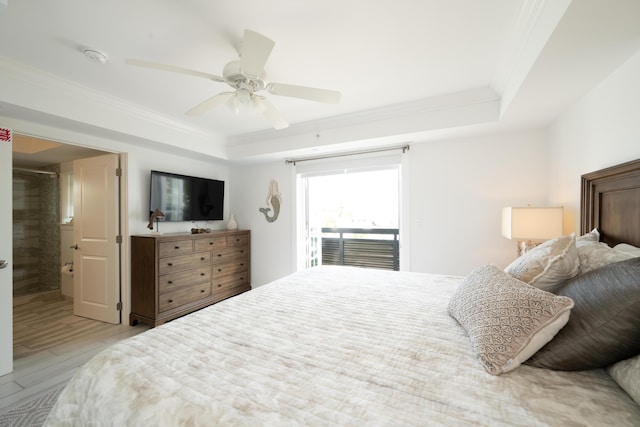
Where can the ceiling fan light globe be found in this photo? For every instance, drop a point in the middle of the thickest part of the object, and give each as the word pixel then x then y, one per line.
pixel 243 100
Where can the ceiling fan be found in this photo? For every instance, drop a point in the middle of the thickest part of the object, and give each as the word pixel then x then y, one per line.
pixel 246 77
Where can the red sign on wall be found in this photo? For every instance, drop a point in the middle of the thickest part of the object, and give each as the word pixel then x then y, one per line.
pixel 5 135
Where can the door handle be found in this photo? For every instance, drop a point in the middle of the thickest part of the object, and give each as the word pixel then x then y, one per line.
pixel 74 247
pixel 3 263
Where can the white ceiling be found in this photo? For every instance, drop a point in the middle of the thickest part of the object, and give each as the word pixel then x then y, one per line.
pixel 483 62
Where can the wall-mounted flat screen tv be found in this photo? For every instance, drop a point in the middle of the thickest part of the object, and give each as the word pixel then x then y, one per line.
pixel 186 198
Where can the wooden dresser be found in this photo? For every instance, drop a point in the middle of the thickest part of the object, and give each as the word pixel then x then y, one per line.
pixel 175 274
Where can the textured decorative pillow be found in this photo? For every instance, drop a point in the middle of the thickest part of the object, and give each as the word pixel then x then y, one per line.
pixel 592 236
pixel 506 320
pixel 627 374
pixel 594 255
pixel 547 265
pixel 605 323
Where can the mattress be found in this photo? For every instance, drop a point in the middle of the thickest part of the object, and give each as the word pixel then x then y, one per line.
pixel 328 346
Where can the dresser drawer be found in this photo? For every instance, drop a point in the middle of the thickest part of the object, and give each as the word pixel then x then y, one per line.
pixel 230 254
pixel 170 282
pixel 177 247
pixel 183 296
pixel 235 266
pixel 183 262
pixel 236 280
pixel 215 243
pixel 238 240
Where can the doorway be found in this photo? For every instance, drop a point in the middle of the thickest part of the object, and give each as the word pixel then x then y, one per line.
pixel 43 217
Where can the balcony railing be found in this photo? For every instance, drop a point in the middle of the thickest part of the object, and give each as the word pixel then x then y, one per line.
pixel 361 247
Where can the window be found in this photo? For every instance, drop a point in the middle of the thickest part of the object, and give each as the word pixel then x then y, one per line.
pixel 350 215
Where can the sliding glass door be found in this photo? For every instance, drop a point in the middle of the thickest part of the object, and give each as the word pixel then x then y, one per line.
pixel 350 216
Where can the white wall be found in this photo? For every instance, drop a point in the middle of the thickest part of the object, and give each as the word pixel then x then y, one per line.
pixel 457 191
pixel 600 130
pixel 271 242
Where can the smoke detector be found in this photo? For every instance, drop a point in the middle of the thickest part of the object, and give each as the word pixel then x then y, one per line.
pixel 95 56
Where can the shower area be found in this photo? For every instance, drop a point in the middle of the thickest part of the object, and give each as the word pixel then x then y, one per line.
pixel 36 230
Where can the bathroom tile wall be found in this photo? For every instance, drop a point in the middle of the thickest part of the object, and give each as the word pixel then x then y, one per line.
pixel 36 232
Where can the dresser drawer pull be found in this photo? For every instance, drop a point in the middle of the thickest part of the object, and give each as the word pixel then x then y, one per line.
pixel 210 243
pixel 169 281
pixel 241 252
pixel 219 254
pixel 237 240
pixel 201 258
pixel 202 274
pixel 219 285
pixel 242 264
pixel 170 301
pixel 169 264
pixel 242 278
pixel 202 291
pixel 176 247
pixel 219 269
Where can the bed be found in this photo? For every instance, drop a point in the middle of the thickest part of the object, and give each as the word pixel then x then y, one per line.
pixel 349 346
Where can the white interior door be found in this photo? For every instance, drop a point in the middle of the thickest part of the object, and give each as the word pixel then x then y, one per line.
pixel 96 260
pixel 6 248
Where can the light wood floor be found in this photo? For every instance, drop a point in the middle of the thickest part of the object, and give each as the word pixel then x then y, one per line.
pixel 50 344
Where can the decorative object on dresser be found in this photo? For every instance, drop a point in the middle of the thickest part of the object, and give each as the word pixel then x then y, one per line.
pixel 531 226
pixel 232 224
pixel 155 216
pixel 176 274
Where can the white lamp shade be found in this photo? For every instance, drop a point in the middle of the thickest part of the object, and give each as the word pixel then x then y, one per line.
pixel 536 224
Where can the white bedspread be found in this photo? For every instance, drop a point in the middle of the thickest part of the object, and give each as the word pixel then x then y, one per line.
pixel 328 346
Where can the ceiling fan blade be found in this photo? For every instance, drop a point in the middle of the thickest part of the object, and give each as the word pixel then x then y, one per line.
pixel 271 113
pixel 210 104
pixel 303 92
pixel 256 49
pixel 172 68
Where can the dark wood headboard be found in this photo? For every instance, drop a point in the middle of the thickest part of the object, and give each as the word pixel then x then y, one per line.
pixel 610 202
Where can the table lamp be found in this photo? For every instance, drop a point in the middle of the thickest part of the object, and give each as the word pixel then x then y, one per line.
pixel 531 226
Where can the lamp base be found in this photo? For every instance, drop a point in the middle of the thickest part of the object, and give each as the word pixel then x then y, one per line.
pixel 526 245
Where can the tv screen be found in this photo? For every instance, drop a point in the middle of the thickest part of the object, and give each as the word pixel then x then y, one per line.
pixel 186 198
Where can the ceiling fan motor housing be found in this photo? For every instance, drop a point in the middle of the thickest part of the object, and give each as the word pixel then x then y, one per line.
pixel 235 78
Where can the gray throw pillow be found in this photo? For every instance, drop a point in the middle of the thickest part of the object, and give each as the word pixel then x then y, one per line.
pixel 604 326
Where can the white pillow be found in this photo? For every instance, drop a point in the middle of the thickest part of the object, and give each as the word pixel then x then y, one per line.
pixel 547 265
pixel 628 249
pixel 627 374
pixel 594 255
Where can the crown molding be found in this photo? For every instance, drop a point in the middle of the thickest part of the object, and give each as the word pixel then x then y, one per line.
pixel 34 89
pixel 535 24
